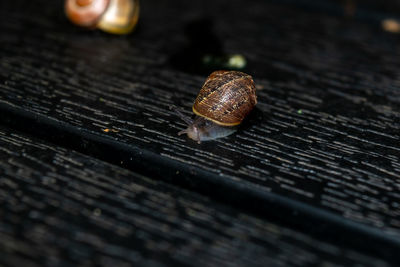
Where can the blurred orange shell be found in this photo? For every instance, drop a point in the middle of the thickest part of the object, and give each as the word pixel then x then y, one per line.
pixel 113 16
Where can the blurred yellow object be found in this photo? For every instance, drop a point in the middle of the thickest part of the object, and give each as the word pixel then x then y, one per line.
pixel 391 25
pixel 120 17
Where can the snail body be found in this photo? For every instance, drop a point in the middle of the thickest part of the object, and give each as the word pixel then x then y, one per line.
pixel 225 99
pixel 202 129
pixel 113 16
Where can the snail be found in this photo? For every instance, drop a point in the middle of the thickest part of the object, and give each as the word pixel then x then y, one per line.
pixel 113 16
pixel 225 99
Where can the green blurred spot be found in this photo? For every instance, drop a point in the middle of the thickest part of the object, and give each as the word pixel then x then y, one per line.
pixel 236 61
pixel 229 62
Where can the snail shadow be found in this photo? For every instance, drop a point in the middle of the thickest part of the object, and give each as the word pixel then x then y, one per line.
pixel 255 117
pixel 202 48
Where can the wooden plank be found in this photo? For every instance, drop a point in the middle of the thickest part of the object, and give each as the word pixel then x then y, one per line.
pixel 62 208
pixel 325 132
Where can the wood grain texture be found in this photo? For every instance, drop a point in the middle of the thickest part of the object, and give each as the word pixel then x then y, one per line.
pixel 62 208
pixel 326 128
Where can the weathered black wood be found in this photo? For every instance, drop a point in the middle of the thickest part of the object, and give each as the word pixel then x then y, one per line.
pixel 324 138
pixel 59 207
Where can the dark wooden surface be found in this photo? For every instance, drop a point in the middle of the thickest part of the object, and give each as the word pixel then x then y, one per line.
pixel 319 155
pixel 77 209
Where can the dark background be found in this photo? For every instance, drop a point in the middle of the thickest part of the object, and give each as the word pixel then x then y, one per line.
pixel 92 171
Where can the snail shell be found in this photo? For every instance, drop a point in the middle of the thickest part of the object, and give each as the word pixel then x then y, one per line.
pixel 225 99
pixel 113 16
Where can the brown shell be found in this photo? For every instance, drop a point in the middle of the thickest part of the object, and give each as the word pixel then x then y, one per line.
pixel 226 97
pixel 85 12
